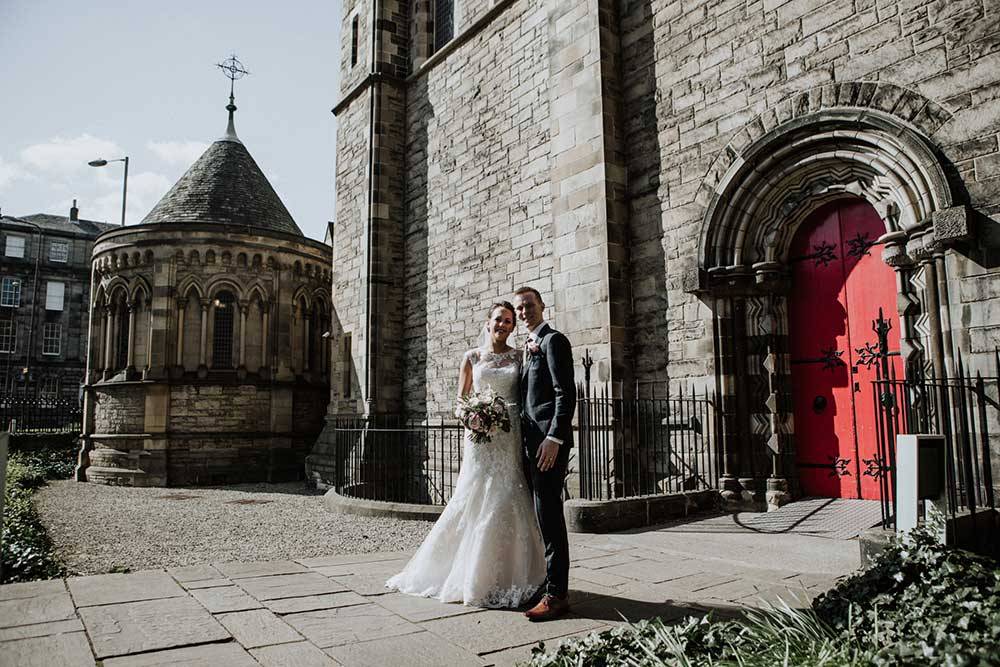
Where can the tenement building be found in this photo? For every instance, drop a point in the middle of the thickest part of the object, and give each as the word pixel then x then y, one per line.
pixel 44 282
pixel 208 359
pixel 721 195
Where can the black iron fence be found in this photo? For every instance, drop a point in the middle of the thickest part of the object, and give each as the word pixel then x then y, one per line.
pixel 644 446
pixel 965 410
pixel 31 414
pixel 393 459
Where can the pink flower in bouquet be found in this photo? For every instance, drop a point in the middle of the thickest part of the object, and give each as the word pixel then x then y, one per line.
pixel 476 422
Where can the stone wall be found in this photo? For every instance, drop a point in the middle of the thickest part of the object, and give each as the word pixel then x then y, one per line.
pixel 477 196
pixel 697 73
pixel 201 408
pixel 120 410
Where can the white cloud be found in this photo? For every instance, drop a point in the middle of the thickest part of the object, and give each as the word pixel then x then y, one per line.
pixel 60 156
pixel 144 190
pixel 9 171
pixel 177 152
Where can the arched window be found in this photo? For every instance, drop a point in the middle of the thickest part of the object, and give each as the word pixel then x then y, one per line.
pixel 222 331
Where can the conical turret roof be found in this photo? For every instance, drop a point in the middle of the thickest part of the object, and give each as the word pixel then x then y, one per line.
pixel 224 186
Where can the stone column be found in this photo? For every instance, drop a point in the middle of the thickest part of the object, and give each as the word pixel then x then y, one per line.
pixel 243 333
pixel 109 326
pixel 181 312
pixel 149 338
pixel 265 355
pixel 203 353
pixel 306 332
pixel 130 348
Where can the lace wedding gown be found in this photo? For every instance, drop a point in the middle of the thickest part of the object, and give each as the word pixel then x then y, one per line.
pixel 485 549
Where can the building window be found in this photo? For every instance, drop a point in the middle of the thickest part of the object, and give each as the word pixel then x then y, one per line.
pixel 10 292
pixel 444 22
pixel 54 292
pixel 354 41
pixel 48 388
pixel 8 336
pixel 222 332
pixel 59 251
pixel 15 246
pixel 51 338
pixel 345 365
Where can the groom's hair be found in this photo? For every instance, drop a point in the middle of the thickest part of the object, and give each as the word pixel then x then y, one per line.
pixel 526 290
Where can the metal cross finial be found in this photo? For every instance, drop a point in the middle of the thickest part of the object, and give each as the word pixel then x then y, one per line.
pixel 233 70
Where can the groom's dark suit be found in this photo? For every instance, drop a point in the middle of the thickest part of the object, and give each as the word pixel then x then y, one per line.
pixel 548 400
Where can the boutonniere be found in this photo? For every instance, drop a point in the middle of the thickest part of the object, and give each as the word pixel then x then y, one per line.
pixel 532 346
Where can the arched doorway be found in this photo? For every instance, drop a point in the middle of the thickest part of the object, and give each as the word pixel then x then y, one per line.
pixel 839 285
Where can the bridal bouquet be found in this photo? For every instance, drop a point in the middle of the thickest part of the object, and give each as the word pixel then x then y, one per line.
pixel 483 413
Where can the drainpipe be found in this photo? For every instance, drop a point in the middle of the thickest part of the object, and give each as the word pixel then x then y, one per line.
pixel 371 401
pixel 34 300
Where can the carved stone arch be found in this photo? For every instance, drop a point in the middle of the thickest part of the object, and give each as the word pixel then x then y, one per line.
pixel 775 182
pixel 194 257
pixel 189 283
pixel 209 256
pixel 301 299
pixel 140 286
pixel 116 288
pixel 220 283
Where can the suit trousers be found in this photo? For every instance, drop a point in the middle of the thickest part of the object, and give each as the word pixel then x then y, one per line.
pixel 547 490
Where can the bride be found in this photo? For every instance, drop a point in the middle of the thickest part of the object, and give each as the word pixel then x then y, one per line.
pixel 485 549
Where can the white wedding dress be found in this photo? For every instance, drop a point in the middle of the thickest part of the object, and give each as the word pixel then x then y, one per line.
pixel 485 549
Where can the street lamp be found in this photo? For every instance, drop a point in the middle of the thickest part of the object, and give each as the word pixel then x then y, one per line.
pixel 102 163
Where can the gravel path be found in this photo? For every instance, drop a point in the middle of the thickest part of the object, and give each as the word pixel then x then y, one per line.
pixel 97 528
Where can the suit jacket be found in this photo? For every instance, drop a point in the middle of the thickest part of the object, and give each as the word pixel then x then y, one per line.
pixel 548 390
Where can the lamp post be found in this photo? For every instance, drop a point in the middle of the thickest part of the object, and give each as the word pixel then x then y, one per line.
pixel 102 163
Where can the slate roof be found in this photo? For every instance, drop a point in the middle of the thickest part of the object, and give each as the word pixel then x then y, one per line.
pixel 62 224
pixel 226 186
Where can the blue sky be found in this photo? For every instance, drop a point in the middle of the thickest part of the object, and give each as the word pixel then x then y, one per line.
pixel 108 78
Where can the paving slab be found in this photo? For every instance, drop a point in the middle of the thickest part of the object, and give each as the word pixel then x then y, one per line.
pixel 654 572
pixel 41 629
pixel 229 654
pixel 386 568
pixel 39 609
pixel 117 588
pixel 347 559
pixel 609 560
pixel 189 573
pixel 601 577
pixel 260 627
pixel 580 553
pixel 225 599
pixel 66 650
pixel 494 630
pixel 314 602
pixel 364 584
pixel 237 570
pixel 133 627
pixel 206 583
pixel 31 589
pixel 415 608
pixel 621 608
pixel 290 585
pixel 421 649
pixel 514 657
pixel 346 625
pixel 301 654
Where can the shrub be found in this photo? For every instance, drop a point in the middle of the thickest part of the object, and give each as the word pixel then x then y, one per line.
pixel 27 553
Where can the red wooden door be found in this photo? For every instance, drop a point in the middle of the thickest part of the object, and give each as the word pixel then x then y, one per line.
pixel 839 283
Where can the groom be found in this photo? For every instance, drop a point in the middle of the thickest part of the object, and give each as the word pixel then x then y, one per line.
pixel 548 400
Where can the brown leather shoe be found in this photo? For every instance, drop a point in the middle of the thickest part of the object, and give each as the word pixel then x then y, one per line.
pixel 549 608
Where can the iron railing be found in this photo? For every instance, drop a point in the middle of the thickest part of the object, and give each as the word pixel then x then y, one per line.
pixel 25 414
pixel 965 410
pixel 644 446
pixel 390 458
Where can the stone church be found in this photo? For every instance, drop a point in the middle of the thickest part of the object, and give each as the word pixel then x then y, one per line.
pixel 208 360
pixel 719 195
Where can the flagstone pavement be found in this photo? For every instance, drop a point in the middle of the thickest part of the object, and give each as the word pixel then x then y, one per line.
pixel 335 611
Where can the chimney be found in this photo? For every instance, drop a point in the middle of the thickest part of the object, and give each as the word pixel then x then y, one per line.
pixel 74 212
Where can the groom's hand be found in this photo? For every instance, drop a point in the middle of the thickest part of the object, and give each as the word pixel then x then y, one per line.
pixel 547 453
